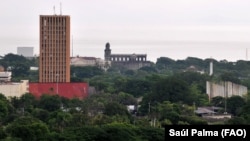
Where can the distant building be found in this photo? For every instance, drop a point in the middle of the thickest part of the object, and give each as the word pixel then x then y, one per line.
pixel 90 61
pixel 212 113
pixel 12 89
pixel 225 89
pixel 83 61
pixel 27 52
pixel 194 69
pixel 205 111
pixel 54 58
pixel 64 89
pixel 5 76
pixel 34 68
pixel 128 61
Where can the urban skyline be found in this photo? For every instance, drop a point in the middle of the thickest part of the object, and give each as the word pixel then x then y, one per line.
pixel 176 29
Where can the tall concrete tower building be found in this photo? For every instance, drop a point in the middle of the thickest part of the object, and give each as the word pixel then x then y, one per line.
pixel 54 58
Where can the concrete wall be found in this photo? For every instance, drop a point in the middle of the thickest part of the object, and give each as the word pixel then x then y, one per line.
pixel 225 89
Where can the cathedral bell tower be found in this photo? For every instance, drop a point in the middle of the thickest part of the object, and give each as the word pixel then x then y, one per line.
pixel 107 52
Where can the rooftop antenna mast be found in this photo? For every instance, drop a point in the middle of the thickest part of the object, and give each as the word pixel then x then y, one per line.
pixel 72 46
pixel 54 9
pixel 60 8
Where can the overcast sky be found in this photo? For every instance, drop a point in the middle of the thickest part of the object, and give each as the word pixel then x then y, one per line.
pixel 172 28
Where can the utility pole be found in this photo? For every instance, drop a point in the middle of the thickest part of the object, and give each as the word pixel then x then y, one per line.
pixel 149 107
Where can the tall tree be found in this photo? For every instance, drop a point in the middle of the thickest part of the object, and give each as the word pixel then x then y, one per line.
pixel 28 129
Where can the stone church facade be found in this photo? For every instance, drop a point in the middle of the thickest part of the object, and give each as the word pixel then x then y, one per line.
pixel 126 61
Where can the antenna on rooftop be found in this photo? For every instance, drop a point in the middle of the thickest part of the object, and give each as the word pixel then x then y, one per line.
pixel 54 8
pixel 60 8
pixel 72 46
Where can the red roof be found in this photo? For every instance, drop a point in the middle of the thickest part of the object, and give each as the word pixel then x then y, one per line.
pixel 68 90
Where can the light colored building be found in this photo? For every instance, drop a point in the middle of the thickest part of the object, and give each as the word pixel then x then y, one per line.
pixel 54 58
pixel 192 68
pixel 25 51
pixel 83 61
pixel 34 68
pixel 5 76
pixel 14 89
pixel 90 61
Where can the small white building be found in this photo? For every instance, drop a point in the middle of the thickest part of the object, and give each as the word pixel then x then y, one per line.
pixel 12 89
pixel 83 61
pixel 34 68
pixel 131 108
pixel 5 76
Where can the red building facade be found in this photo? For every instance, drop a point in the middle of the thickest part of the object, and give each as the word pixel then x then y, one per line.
pixel 67 90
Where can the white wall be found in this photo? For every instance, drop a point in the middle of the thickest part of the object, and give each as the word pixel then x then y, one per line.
pixel 14 89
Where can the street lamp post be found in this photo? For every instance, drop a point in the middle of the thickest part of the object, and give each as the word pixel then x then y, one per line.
pixel 57 75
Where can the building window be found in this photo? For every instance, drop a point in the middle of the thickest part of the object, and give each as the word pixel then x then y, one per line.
pixel 44 22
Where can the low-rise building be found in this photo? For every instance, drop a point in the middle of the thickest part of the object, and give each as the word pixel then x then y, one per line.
pixel 14 89
pixel 83 61
pixel 90 61
pixel 5 76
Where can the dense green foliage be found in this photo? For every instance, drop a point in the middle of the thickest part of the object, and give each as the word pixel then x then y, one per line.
pixel 94 118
